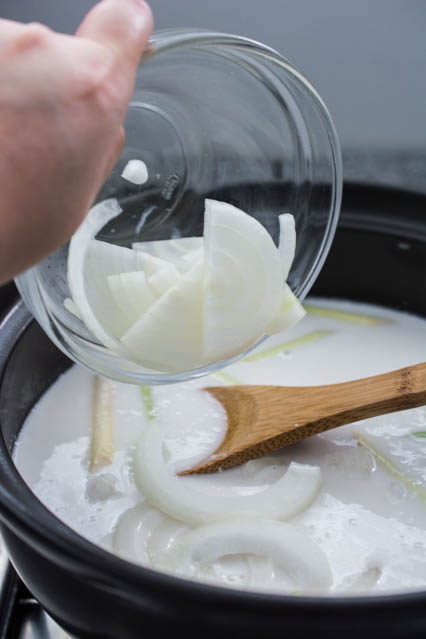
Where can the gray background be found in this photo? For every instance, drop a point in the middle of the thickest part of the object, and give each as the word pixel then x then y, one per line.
pixel 367 58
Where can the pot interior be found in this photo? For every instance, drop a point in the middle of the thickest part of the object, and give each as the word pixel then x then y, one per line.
pixel 378 256
pixel 367 262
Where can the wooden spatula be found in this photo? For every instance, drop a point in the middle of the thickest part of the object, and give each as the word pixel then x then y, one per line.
pixel 262 419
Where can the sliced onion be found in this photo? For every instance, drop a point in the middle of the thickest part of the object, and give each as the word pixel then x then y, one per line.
pixel 261 570
pixel 91 302
pixel 104 259
pixel 165 533
pixel 71 307
pixel 243 280
pixel 133 529
pixel 289 313
pixel 132 294
pixel 225 293
pixel 175 496
pixel 171 250
pixel 190 259
pixel 287 242
pixel 168 336
pixel 151 264
pixel 288 546
pixel 163 281
pixel 135 171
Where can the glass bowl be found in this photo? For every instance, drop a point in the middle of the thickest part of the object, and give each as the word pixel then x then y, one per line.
pixel 212 116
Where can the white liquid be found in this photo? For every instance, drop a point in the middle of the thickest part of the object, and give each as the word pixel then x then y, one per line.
pixel 368 519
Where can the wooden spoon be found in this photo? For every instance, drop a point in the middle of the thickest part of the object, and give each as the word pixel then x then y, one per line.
pixel 264 418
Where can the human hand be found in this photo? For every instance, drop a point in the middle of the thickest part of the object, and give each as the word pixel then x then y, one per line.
pixel 63 100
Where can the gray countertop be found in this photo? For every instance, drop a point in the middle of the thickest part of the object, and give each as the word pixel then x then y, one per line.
pixel 366 58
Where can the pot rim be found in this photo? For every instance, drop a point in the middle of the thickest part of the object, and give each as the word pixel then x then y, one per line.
pixel 33 523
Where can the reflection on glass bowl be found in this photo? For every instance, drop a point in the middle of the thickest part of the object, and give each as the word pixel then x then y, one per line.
pixel 212 116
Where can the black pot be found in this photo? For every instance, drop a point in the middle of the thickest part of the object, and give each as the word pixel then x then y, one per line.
pixel 379 255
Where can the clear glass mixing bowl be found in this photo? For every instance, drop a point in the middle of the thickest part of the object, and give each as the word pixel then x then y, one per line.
pixel 218 116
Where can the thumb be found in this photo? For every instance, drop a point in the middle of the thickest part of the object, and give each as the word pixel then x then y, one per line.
pixel 123 26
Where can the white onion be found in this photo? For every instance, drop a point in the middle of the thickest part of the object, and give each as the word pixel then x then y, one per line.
pixel 132 294
pixel 166 532
pixel 261 571
pixel 71 307
pixel 289 313
pixel 181 253
pixel 171 250
pixel 133 529
pixel 135 171
pixel 151 264
pixel 304 564
pixel 204 300
pixel 243 280
pixel 168 336
pixel 163 281
pixel 103 260
pixel 287 242
pixel 193 257
pixel 173 495
pixel 91 305
pixel 190 259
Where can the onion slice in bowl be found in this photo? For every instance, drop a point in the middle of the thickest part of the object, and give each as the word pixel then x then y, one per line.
pixel 132 294
pixel 172 250
pixel 243 282
pixel 173 495
pixel 289 313
pixel 190 259
pixel 206 299
pixel 95 220
pixel 292 550
pixel 287 242
pixel 168 336
pixel 152 265
pixel 103 260
pixel 163 281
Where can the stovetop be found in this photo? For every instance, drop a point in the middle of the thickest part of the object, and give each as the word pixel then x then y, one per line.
pixel 21 616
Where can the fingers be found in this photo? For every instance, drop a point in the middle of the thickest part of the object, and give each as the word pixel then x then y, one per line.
pixel 123 26
pixel 16 37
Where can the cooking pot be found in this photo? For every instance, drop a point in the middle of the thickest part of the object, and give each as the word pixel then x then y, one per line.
pixel 378 256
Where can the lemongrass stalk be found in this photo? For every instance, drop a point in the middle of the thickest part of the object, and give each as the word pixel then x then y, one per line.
pixel 391 467
pixel 102 434
pixel 228 379
pixel 147 400
pixel 345 316
pixel 288 346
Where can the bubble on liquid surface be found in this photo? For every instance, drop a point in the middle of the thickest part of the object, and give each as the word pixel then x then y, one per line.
pixel 101 487
pixel 396 492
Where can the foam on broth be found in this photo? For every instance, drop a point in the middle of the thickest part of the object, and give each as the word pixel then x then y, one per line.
pixel 370 516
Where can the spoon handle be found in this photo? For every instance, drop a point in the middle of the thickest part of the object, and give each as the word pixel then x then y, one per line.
pixel 320 408
pixel 262 419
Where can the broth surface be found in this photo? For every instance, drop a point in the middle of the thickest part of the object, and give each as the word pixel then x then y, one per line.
pixel 369 518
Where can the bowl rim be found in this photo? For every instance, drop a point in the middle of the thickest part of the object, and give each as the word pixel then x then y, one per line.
pixel 25 516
